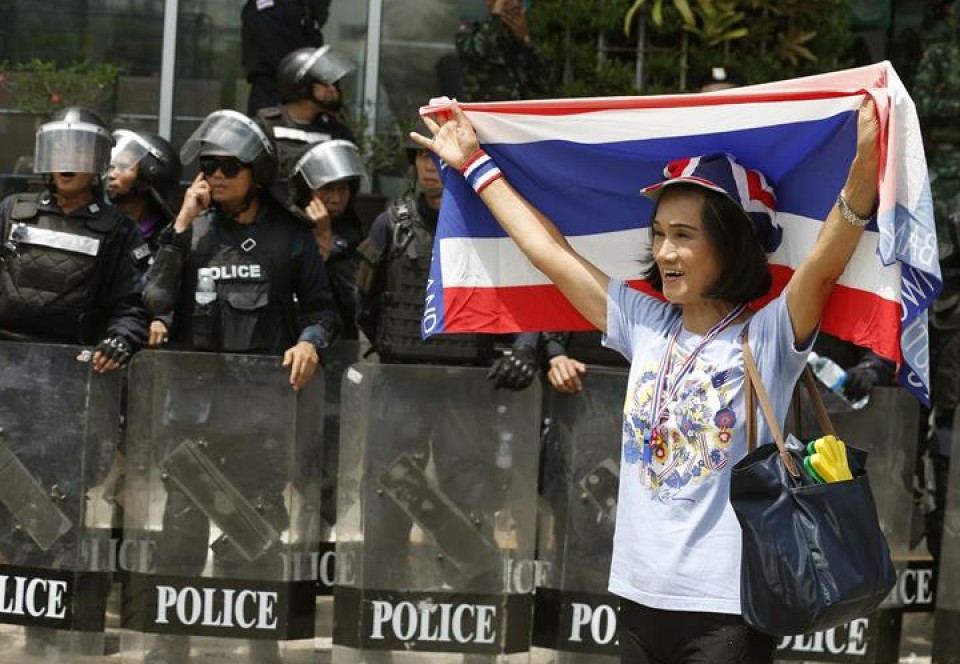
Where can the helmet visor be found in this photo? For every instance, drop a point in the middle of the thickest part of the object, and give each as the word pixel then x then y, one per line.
pixel 77 147
pixel 128 151
pixel 226 133
pixel 326 66
pixel 328 162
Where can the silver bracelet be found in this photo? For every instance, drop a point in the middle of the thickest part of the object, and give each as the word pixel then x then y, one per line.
pixel 849 215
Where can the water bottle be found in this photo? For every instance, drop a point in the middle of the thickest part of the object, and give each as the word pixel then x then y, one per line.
pixel 206 287
pixel 833 376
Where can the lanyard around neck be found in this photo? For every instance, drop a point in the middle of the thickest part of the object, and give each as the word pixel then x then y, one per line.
pixel 664 394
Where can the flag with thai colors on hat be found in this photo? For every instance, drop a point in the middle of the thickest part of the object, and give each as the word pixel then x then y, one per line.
pixel 583 162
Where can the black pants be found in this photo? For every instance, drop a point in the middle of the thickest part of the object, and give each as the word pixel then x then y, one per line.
pixel 655 636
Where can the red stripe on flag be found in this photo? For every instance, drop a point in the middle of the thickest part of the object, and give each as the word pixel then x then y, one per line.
pixel 855 315
pixel 588 105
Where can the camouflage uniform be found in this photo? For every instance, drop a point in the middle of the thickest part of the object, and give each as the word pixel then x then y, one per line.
pixel 936 92
pixel 496 66
pixel 937 96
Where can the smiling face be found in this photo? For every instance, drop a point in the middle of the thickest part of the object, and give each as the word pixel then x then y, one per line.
pixel 686 257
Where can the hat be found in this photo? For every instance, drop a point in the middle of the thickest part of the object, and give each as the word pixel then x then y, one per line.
pixel 720 172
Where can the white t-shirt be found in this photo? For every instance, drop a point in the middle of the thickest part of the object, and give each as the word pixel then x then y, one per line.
pixel 677 541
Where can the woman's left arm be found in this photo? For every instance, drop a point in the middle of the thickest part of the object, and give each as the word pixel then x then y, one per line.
pixel 811 284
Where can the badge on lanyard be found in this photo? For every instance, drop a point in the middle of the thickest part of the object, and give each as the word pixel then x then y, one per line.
pixel 665 392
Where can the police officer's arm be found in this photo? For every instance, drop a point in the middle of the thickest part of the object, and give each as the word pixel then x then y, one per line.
pixel 317 314
pixel 120 298
pixel 563 371
pixel 371 275
pixel 163 281
pixel 161 291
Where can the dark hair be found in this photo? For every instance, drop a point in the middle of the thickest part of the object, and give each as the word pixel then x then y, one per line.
pixel 745 275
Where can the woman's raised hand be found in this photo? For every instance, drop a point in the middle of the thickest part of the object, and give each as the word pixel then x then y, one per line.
pixel 454 140
pixel 868 133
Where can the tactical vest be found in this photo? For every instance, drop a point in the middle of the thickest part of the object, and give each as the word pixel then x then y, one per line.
pixel 253 311
pixel 408 266
pixel 289 138
pixel 50 271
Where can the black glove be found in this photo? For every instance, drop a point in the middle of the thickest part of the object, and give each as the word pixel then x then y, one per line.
pixel 116 349
pixel 860 380
pixel 516 370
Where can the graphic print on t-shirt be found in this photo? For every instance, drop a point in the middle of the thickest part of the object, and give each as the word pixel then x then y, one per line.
pixel 694 442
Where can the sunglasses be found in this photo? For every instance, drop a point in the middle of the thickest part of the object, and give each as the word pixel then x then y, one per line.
pixel 229 166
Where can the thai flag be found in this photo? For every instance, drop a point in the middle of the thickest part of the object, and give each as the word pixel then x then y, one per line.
pixel 583 162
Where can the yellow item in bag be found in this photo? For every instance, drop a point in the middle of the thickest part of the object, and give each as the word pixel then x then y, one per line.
pixel 828 457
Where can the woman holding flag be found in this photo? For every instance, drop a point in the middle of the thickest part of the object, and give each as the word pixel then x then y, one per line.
pixel 676 552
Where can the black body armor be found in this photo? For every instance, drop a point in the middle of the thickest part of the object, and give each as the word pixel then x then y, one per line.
pixel 253 311
pixel 50 271
pixel 408 266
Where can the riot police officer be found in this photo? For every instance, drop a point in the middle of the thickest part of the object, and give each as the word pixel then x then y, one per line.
pixel 143 170
pixel 68 260
pixel 309 81
pixel 269 30
pixel 244 276
pixel 271 290
pixel 392 280
pixel 323 184
pixel 68 274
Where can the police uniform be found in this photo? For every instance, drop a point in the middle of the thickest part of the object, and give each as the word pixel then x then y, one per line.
pixel 496 66
pixel 269 30
pixel 392 284
pixel 271 292
pixel 291 138
pixel 69 278
pixel 272 287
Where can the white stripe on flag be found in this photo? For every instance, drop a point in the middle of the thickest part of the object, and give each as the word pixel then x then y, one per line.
pixel 591 127
pixel 489 262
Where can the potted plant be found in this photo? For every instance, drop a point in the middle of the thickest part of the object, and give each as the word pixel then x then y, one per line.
pixel 38 88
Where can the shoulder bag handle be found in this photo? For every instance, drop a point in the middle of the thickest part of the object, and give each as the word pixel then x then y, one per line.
pixel 755 389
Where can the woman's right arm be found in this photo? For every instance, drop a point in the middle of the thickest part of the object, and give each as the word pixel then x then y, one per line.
pixel 581 282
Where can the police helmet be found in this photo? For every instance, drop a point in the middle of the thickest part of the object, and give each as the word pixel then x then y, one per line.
pixel 75 140
pixel 330 161
pixel 159 163
pixel 299 70
pixel 228 133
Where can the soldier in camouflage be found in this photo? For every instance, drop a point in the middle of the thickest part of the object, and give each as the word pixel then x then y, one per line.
pixel 936 93
pixel 498 60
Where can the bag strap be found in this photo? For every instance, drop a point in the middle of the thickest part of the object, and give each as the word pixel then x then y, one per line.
pixel 754 387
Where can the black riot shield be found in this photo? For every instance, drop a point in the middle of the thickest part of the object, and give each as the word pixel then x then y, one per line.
pixel 575 619
pixel 59 425
pixel 946 634
pixel 436 516
pixel 221 453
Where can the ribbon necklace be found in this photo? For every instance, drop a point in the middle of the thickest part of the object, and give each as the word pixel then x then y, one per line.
pixel 663 395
